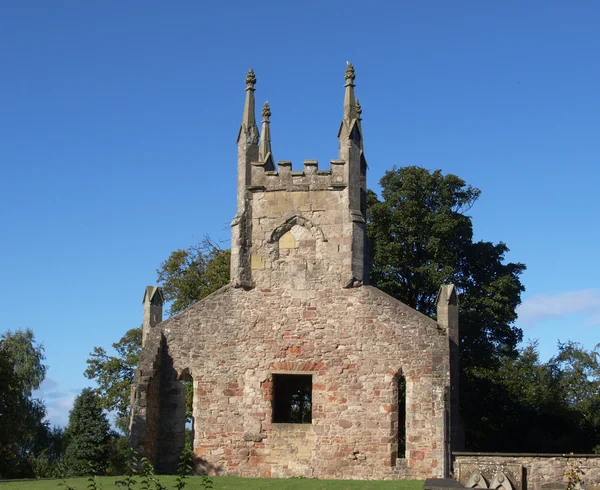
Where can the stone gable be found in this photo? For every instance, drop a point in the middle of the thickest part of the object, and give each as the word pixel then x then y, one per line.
pixel 298 363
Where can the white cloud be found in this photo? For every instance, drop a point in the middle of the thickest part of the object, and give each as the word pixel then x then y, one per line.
pixel 58 402
pixel 585 302
pixel 57 410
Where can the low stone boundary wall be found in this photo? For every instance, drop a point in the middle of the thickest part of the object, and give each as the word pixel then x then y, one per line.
pixel 524 471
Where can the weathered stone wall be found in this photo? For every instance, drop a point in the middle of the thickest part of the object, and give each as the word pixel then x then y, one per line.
pixel 528 471
pixel 300 240
pixel 299 304
pixel 353 342
pixel 145 398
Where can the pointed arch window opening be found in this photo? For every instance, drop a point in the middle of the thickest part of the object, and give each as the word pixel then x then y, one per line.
pixel 399 419
pixel 187 381
pixel 401 416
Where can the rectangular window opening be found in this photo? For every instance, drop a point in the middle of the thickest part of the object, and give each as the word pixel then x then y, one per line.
pixel 292 398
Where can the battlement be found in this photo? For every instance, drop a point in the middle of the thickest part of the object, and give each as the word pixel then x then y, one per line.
pixel 306 203
pixel 310 178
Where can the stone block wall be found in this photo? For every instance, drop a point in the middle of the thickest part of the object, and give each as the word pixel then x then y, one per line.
pixel 328 247
pixel 527 471
pixel 298 240
pixel 353 342
pixel 299 304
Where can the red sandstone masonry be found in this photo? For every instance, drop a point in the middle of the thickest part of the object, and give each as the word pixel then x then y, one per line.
pixel 354 364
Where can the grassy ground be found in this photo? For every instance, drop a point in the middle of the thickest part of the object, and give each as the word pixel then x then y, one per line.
pixel 226 483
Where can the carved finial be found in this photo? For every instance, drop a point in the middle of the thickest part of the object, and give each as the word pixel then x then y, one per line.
pixel 250 78
pixel 350 76
pixel 266 111
pixel 358 109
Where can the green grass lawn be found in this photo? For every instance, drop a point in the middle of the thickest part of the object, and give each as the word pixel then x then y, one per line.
pixel 228 483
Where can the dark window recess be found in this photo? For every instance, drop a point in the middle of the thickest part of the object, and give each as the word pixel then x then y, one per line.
pixel 401 416
pixel 292 398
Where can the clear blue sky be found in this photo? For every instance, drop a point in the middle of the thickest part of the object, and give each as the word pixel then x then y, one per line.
pixel 118 123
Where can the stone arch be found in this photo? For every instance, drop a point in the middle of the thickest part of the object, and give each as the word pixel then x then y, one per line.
pixel 183 373
pixel 501 482
pixel 289 223
pixel 296 254
pixel 176 431
pixel 476 480
pixel 306 366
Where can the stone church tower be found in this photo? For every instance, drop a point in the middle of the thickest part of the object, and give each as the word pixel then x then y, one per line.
pixel 299 367
pixel 319 214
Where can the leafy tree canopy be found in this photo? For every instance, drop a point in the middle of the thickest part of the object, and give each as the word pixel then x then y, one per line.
pixel 88 435
pixel 186 277
pixel 192 274
pixel 420 238
pixel 21 415
pixel 26 358
pixel 114 374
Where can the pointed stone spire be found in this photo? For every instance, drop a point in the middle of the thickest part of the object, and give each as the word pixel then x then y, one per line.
pixel 247 143
pixel 351 107
pixel 264 152
pixel 349 100
pixel 249 127
pixel 354 177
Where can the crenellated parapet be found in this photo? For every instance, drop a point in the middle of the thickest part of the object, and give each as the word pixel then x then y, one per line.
pixel 310 178
pixel 332 199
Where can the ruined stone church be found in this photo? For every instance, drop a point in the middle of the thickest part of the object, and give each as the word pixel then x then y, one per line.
pixel 299 367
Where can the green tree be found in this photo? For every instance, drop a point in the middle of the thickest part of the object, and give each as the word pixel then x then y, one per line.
pixel 26 358
pixel 47 451
pixel 546 406
pixel 192 274
pixel 186 277
pixel 579 386
pixel 420 237
pixel 88 435
pixel 21 416
pixel 523 410
pixel 114 374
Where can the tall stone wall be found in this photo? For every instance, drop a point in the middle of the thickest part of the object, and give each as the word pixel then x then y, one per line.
pixel 528 471
pixel 354 342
